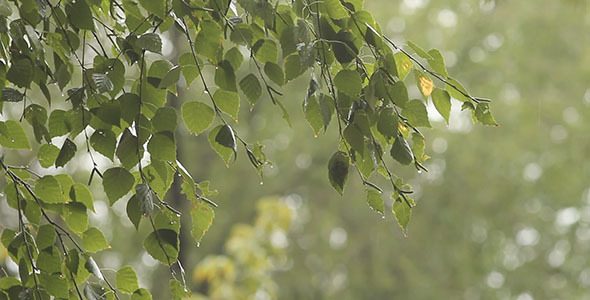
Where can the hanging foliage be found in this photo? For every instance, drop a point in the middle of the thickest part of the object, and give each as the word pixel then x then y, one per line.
pixel 106 60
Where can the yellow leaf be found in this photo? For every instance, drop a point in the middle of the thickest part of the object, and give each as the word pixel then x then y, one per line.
pixel 426 85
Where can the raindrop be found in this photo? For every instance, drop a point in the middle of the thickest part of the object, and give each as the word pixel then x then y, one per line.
pixel 178 215
pixel 262 182
pixel 198 244
pixel 272 167
pixel 419 171
pixel 12 140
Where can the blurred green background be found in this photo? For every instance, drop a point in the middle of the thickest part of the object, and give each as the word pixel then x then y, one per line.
pixel 504 212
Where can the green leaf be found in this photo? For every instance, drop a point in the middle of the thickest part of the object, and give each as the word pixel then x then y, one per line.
pixel 388 123
pixel 57 124
pixel 223 141
pixel 55 284
pixel 355 138
pixel 93 240
pixel 33 212
pixel 162 245
pixel 242 34
pixel 418 147
pixel 265 50
pixel 178 290
pixel 128 148
pixel 225 78
pixel 76 120
pixel 67 152
pixel 197 116
pixel 170 78
pixel 402 213
pixel 129 103
pixel 49 260
pixel 228 102
pixel 288 41
pixel 190 71
pixel 188 183
pixel 421 52
pixel 134 212
pixel 234 57
pixel 150 42
pixel 80 15
pixel 21 72
pixel 275 73
pixel 348 82
pixel 415 112
pixel 399 94
pixel 12 135
pixel 76 217
pixel 156 7
pixel 114 70
pixel 326 108
pixel 202 217
pixel 208 40
pixel 127 280
pixel 335 9
pixel 483 114
pixel 8 282
pixel 80 193
pixel 141 294
pixel 47 154
pixel 36 115
pixel 313 115
pixel 437 62
pixel 73 261
pixel 403 64
pixel 11 95
pixel 442 102
pixel 293 67
pixel 375 201
pixel 110 113
pixel 377 88
pixel 104 142
pixel 401 151
pixel 48 190
pixel 46 236
pixel 338 171
pixel 165 119
pixel 162 146
pixel 251 88
pixel 65 182
pixel 117 182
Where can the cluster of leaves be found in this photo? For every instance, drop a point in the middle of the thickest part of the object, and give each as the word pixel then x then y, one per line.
pixel 118 109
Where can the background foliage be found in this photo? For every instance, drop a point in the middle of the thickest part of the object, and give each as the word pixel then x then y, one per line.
pixel 499 204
